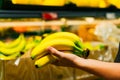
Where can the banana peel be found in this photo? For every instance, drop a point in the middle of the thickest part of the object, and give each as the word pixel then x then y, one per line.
pixel 43 61
pixel 31 45
pixel 32 42
pixel 54 2
pixel 28 2
pixel 10 57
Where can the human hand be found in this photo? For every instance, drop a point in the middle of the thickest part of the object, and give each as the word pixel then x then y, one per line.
pixel 64 59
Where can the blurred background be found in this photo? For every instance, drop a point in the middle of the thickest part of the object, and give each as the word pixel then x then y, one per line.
pixel 96 22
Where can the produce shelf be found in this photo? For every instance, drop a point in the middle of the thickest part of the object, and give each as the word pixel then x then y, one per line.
pixel 15 10
pixel 67 14
pixel 55 22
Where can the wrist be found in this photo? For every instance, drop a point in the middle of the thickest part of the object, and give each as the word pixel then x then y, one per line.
pixel 80 62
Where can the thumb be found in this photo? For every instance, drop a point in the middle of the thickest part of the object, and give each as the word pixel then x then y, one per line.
pixel 55 52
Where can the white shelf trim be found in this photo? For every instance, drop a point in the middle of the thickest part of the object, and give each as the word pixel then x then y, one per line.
pixel 43 23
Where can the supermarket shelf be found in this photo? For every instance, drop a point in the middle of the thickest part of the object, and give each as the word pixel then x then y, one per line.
pixel 19 14
pixel 67 14
pixel 56 22
pixel 8 5
pixel 71 11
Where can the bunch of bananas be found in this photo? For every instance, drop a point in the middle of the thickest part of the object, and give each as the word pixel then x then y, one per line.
pixel 13 49
pixel 32 42
pixel 65 41
pixel 19 46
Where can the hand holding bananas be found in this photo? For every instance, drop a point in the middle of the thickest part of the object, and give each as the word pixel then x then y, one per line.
pixel 63 59
pixel 63 41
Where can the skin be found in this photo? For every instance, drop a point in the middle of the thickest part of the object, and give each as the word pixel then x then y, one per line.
pixel 107 70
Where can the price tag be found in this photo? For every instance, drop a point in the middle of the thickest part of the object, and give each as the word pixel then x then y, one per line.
pixel 49 15
pixel 17 62
pixel 110 15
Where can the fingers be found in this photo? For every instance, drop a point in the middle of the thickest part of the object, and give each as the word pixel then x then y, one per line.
pixel 62 59
pixel 61 55
pixel 55 52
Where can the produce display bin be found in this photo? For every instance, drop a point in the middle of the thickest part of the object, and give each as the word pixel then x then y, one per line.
pixel 23 68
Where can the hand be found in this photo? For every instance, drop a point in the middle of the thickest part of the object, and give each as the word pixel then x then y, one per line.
pixel 64 59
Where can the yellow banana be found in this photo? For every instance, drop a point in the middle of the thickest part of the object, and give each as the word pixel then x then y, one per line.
pixel 10 57
pixel 41 48
pixel 2 43
pixel 47 59
pixel 103 4
pixel 63 48
pixel 11 44
pixel 32 42
pixel 28 2
pixel 60 47
pixel 31 45
pixel 38 38
pixel 19 47
pixel 21 1
pixel 54 2
pixel 44 61
pixel 66 35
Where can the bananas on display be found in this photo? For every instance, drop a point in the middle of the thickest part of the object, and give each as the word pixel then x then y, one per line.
pixel 32 43
pixel 40 2
pixel 19 47
pixel 78 3
pixel 54 2
pixel 10 57
pixel 61 41
pixel 12 44
pixel 91 3
pixel 13 49
pixel 37 2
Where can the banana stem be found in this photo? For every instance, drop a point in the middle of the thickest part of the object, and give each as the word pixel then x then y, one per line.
pixel 79 44
pixel 78 49
pixel 81 52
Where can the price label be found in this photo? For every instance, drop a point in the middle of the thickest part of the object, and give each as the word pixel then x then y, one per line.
pixel 110 15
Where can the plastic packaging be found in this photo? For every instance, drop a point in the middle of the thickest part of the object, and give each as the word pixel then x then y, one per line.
pixel 108 33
